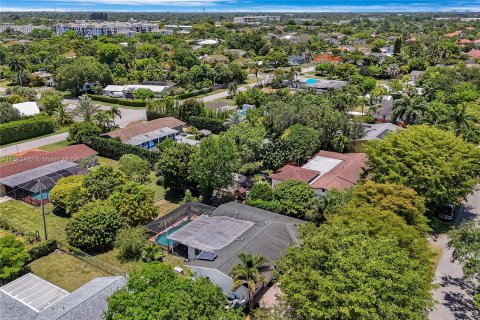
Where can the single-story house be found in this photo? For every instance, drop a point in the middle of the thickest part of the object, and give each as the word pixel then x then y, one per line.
pixel 220 105
pixel 325 171
pixel 374 132
pixel 31 176
pixel 33 298
pixel 207 42
pixel 317 85
pixel 150 133
pixel 212 242
pixel 29 108
pixel 125 91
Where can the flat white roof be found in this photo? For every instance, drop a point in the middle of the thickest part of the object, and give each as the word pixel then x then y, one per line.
pixel 114 88
pixel 29 108
pixel 34 292
pixel 322 164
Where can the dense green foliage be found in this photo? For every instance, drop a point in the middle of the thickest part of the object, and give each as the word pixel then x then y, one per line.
pixel 362 264
pixel 42 249
pixel 134 203
pixel 25 129
pixel 101 182
pixel 82 132
pixel 94 227
pixel 158 292
pixel 114 149
pixel 134 167
pixel 212 124
pixel 12 257
pixel 130 243
pixel 120 101
pixel 8 113
pixel 69 194
pixel 437 165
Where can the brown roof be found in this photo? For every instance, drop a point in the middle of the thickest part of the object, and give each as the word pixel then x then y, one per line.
pixel 34 159
pixel 127 133
pixel 345 174
pixel 474 54
pixel 290 172
pixel 453 34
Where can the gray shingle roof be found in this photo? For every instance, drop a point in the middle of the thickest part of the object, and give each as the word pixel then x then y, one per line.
pixel 270 235
pixel 378 131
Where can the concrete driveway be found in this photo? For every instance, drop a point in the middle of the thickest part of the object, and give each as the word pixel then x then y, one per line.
pixel 454 295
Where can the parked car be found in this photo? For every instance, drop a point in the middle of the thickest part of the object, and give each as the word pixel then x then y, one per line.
pixel 446 212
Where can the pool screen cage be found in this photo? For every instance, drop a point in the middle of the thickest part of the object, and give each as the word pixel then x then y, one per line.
pixel 186 212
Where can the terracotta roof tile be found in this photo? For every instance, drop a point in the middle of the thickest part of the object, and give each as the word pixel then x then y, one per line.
pixel 290 172
pixel 35 159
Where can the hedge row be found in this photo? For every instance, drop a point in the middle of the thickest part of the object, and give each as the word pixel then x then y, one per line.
pixel 120 101
pixel 214 125
pixel 193 93
pixel 25 129
pixel 114 149
pixel 42 249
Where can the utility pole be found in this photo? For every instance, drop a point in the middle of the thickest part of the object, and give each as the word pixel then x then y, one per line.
pixel 43 210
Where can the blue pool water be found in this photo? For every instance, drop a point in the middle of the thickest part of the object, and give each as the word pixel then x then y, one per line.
pixel 162 238
pixel 311 81
pixel 42 196
pixel 242 113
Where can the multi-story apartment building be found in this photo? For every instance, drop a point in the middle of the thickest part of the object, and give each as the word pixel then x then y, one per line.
pixel 25 29
pixel 90 29
pixel 256 19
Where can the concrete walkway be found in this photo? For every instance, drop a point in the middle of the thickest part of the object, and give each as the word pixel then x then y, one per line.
pixel 454 295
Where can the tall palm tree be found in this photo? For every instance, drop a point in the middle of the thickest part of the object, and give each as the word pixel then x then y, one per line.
pixel 61 116
pixel 86 108
pixel 249 273
pixel 232 89
pixel 115 111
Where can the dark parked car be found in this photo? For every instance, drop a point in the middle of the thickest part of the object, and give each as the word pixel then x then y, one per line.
pixel 446 212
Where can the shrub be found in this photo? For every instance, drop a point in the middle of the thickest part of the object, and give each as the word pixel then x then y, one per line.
pixel 130 243
pixel 134 167
pixel 114 149
pixel 152 252
pixel 94 227
pixel 193 93
pixel 25 129
pixel 120 101
pixel 143 94
pixel 42 249
pixel 12 257
pixel 214 125
pixel 69 193
pixel 82 132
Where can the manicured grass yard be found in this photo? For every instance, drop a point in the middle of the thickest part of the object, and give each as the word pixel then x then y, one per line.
pixel 65 271
pixel 55 146
pixel 30 218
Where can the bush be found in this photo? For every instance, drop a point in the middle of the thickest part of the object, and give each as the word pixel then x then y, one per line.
pixel 214 125
pixel 94 227
pixel 12 257
pixel 134 167
pixel 82 132
pixel 42 249
pixel 130 243
pixel 120 101
pixel 273 206
pixel 115 149
pixel 69 193
pixel 193 93
pixel 25 129
pixel 143 94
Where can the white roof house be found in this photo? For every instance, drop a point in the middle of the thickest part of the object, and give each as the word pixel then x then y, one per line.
pixel 29 108
pixel 132 87
pixel 207 42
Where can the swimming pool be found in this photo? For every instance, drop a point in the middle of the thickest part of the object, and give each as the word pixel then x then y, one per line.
pixel 41 196
pixel 311 81
pixel 162 238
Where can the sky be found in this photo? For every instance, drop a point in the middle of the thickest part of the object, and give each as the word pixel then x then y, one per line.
pixel 242 5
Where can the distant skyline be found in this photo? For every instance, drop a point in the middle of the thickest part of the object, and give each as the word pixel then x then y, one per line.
pixel 253 6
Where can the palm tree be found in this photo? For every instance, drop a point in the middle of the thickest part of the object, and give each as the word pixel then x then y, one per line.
pixel 115 111
pixel 410 109
pixel 249 273
pixel 233 119
pixel 61 116
pixel 462 119
pixel 86 108
pixel 103 120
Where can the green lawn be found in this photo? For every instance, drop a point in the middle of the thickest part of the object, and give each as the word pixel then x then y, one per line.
pixel 55 146
pixel 30 218
pixel 65 271
pixel 5 83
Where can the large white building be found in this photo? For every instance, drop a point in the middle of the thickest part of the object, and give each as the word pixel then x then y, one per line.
pixel 256 19
pixel 25 29
pixel 89 29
